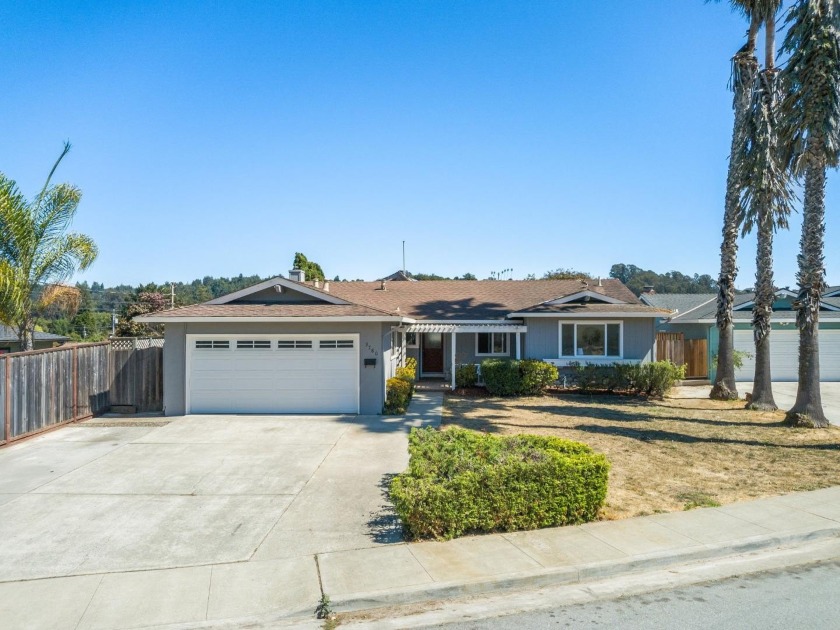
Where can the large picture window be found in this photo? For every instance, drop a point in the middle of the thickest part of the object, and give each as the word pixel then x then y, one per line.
pixel 591 339
pixel 491 343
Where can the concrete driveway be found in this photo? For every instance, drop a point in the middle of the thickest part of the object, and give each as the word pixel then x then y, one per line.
pixel 240 503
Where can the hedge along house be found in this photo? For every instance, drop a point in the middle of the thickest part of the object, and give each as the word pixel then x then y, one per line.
pixel 694 318
pixel 291 346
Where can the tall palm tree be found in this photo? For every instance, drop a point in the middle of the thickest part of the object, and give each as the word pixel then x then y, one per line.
pixel 744 70
pixel 767 203
pixel 37 254
pixel 811 132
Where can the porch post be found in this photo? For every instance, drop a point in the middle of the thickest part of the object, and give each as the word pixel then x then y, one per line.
pixel 518 345
pixel 452 375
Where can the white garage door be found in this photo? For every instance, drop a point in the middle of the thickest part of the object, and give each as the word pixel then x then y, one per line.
pixel 784 355
pixel 273 374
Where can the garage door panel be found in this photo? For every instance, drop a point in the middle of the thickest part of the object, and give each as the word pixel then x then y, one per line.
pixel 293 375
pixel 784 355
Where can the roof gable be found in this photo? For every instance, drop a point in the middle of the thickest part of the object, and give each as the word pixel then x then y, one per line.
pixel 584 297
pixel 288 292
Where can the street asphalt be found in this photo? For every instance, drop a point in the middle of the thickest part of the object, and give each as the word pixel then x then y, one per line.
pixel 798 597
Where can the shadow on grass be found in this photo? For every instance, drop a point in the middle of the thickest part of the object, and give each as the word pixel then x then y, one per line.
pixel 631 410
pixel 384 526
pixel 650 435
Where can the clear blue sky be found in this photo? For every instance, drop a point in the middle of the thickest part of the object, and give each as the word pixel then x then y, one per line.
pixel 220 138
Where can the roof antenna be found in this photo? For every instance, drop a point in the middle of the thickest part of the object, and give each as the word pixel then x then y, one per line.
pixel 403 257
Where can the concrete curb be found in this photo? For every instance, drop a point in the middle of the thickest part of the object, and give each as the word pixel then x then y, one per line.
pixel 576 574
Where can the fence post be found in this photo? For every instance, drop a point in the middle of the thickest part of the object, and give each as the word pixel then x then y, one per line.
pixel 75 382
pixel 7 412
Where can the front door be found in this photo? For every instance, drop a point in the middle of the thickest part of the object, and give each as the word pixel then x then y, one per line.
pixel 432 354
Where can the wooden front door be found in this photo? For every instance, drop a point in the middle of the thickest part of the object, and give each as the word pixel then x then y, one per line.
pixel 432 353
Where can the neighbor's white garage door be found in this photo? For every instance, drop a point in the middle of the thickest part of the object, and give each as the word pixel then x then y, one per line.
pixel 272 374
pixel 784 355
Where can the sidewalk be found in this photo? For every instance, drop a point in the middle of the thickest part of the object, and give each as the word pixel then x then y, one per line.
pixel 276 592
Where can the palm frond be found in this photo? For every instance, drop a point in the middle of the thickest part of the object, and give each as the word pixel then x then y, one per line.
pixel 811 78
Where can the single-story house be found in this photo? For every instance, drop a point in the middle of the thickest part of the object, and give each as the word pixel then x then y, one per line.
pixel 9 341
pixel 288 345
pixel 694 318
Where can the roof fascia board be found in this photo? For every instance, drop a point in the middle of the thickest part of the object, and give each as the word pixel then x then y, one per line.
pixel 590 315
pixel 348 318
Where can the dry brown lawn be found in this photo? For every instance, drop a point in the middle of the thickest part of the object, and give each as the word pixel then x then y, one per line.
pixel 672 454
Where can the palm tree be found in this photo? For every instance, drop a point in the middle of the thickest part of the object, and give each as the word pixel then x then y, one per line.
pixel 744 69
pixel 766 204
pixel 37 254
pixel 811 133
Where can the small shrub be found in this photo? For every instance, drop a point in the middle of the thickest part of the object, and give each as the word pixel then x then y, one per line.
pixel 657 378
pixel 459 482
pixel 397 396
pixel 411 362
pixel 406 373
pixel 501 377
pixel 536 376
pixel 466 375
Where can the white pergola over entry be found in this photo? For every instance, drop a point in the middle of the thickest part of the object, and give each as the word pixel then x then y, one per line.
pixel 468 327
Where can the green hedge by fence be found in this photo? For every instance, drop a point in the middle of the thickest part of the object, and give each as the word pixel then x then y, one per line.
pixel 461 482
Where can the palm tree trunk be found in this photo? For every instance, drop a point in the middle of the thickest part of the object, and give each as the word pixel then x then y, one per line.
pixel 765 292
pixel 744 69
pixel 26 335
pixel 807 410
pixel 762 393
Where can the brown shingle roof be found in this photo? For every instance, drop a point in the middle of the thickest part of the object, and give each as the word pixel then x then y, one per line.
pixel 470 299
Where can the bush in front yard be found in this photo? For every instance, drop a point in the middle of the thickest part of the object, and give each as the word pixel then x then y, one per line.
pixel 648 379
pixel 397 395
pixel 501 377
pixel 466 375
pixel 461 482
pixel 536 376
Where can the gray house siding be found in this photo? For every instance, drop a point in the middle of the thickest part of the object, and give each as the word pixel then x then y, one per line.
pixel 374 343
pixel 690 331
pixel 543 338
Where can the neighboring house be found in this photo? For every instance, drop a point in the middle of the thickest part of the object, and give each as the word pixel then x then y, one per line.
pixel 291 346
pixel 9 340
pixel 695 318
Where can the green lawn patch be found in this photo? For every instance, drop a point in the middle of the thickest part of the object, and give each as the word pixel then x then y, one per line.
pixel 460 482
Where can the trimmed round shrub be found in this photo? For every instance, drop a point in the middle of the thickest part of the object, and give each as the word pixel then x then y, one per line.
pixel 536 376
pixel 466 375
pixel 461 482
pixel 501 377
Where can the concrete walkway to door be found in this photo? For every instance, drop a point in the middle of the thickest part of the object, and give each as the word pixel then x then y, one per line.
pixel 206 518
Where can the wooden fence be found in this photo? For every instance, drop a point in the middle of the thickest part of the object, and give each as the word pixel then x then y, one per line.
pixel 692 353
pixel 43 389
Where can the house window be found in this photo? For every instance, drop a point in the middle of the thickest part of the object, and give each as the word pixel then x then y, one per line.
pixel 293 344
pixel 248 344
pixel 591 339
pixel 411 340
pixel 491 343
pixel 334 344
pixel 207 344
